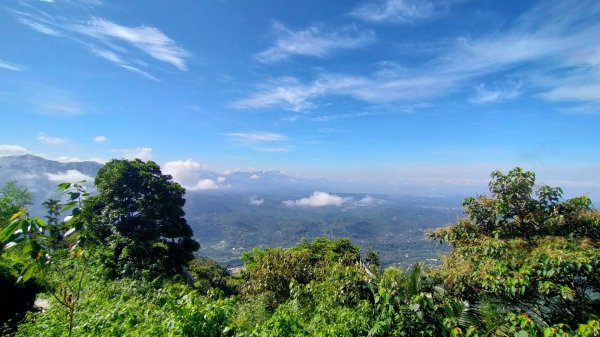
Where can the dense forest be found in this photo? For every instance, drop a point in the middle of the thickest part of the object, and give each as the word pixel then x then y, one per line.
pixel 121 262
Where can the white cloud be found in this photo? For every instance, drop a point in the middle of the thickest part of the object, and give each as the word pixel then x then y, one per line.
pixel 254 177
pixel 119 61
pixel 10 66
pixel 558 43
pixel 67 159
pixel 293 95
pixel 39 27
pixel 580 92
pixel 286 92
pixel 205 184
pixel 100 139
pixel 190 174
pixel 318 199
pixel 396 11
pixel 271 149
pixel 68 176
pixel 256 201
pixel 111 41
pixel 185 172
pixel 56 102
pixel 143 153
pixel 148 39
pixel 484 95
pixel 12 150
pixel 312 41
pixel 50 140
pixel 367 201
pixel 255 136
pixel 261 141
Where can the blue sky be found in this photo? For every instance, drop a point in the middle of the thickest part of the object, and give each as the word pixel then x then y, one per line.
pixel 368 92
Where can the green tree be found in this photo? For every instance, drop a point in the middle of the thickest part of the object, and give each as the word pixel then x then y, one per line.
pixel 12 198
pixel 372 257
pixel 268 272
pixel 42 256
pixel 53 211
pixel 138 212
pixel 528 251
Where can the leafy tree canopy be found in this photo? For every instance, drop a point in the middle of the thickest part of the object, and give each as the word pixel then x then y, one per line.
pixel 526 249
pixel 138 212
pixel 13 197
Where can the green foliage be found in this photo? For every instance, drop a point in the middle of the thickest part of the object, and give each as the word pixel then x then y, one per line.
pixel 138 212
pixel 269 271
pixel 372 257
pixel 524 263
pixel 16 297
pixel 12 198
pixel 53 209
pixel 207 274
pixel 134 307
pixel 531 251
pixel 43 255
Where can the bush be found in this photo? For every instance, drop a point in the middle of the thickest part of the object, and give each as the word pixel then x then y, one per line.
pixel 16 297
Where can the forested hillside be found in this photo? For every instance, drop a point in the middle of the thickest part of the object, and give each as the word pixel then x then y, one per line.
pixel 524 262
pixel 252 211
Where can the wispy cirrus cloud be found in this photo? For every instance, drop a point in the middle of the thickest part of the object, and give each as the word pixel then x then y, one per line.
pixel 291 94
pixel 557 43
pixel 261 141
pixel 143 153
pixel 256 136
pixel 119 61
pixel 55 101
pixel 395 11
pixel 11 66
pixel 51 140
pixel 313 41
pixel 40 26
pixel 148 39
pixel 119 44
pixel 484 95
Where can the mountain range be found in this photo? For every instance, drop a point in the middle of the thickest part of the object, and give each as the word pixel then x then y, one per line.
pixel 242 210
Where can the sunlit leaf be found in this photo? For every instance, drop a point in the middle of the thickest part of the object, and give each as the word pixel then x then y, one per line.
pixel 63 186
pixel 69 232
pixel 17 214
pixel 68 206
pixel 8 231
pixel 29 272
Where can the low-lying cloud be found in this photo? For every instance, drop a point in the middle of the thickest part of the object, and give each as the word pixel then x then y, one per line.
pixel 68 176
pixel 318 199
pixel 189 174
pixel 12 150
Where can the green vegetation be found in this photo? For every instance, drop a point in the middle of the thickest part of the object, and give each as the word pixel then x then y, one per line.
pixel 524 263
pixel 12 198
pixel 138 213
